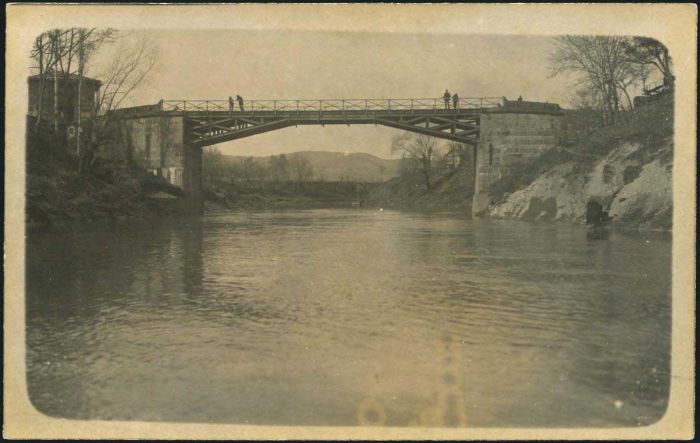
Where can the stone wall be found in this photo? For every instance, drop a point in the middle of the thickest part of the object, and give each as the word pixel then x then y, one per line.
pixel 157 144
pixel 508 138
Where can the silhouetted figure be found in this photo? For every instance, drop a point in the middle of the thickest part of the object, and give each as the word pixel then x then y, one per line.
pixel 240 101
pixel 455 101
pixel 230 104
pixel 446 96
pixel 520 100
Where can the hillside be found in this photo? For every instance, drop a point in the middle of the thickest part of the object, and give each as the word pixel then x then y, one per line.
pixel 337 166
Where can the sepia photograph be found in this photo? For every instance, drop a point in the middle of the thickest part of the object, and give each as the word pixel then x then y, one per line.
pixel 359 228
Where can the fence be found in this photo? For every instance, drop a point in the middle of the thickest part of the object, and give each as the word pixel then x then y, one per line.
pixel 329 105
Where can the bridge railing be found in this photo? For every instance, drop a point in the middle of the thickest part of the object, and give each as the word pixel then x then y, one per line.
pixel 399 104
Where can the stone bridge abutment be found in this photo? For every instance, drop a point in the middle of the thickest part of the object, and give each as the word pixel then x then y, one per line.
pixel 509 137
pixel 159 144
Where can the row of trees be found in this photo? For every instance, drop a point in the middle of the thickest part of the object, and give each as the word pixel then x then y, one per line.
pixel 60 55
pixel 279 169
pixel 608 69
pixel 421 156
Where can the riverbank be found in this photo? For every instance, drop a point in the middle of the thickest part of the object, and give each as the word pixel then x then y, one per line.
pixel 452 192
pixel 627 169
pixel 66 197
pixel 56 193
pixel 289 195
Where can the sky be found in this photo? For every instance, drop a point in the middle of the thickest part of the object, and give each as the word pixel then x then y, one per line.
pixel 342 65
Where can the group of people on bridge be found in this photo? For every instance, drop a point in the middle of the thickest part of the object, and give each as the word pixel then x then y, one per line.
pixel 455 99
pixel 239 99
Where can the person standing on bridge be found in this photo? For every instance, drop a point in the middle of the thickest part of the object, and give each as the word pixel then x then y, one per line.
pixel 230 104
pixel 455 101
pixel 240 101
pixel 446 96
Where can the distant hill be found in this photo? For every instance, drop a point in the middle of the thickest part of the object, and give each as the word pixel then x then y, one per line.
pixel 338 166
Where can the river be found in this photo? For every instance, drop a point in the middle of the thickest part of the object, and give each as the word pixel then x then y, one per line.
pixel 345 317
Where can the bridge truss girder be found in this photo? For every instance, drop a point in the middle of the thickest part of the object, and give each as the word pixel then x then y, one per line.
pixel 206 129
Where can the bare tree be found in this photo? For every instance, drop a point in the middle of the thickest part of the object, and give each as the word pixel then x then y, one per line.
pixel 214 165
pixel 301 168
pixel 56 53
pixel 279 168
pixel 419 148
pixel 43 55
pixel 129 67
pixel 600 66
pixel 647 52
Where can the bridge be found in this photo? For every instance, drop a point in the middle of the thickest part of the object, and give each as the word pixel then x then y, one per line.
pixel 171 133
pixel 210 122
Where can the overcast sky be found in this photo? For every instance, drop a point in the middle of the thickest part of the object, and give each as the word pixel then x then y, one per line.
pixel 316 65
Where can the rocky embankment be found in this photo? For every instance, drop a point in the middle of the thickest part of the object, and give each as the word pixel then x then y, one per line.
pixel 628 170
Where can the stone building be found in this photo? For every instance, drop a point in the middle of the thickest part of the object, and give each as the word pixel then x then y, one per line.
pixel 66 97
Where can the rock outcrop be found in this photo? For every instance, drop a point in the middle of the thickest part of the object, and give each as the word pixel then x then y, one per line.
pixel 633 184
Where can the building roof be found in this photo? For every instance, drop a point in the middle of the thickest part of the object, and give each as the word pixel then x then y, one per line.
pixel 72 77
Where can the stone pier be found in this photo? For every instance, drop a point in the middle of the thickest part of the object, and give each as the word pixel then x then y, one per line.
pixel 509 136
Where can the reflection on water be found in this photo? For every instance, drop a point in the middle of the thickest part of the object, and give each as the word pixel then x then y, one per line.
pixel 341 317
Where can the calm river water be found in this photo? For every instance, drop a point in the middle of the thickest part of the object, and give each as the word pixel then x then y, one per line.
pixel 347 317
